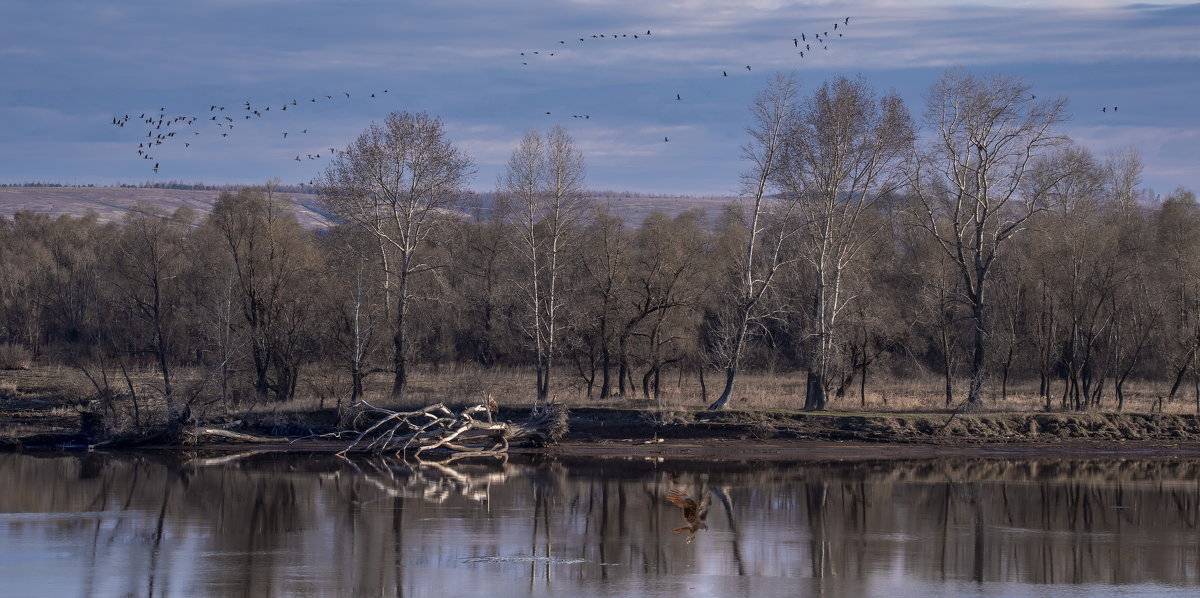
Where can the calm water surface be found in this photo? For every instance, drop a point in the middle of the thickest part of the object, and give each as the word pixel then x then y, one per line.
pixel 308 525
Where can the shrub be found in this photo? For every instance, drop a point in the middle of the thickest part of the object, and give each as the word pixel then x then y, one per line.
pixel 15 357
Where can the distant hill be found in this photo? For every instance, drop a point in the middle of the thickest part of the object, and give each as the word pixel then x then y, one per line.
pixel 111 203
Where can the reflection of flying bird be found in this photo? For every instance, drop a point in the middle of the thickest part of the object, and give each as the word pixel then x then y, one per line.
pixel 693 514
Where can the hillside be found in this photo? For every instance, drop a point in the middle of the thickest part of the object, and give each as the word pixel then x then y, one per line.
pixel 110 203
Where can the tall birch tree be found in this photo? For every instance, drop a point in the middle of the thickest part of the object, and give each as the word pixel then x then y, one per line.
pixel 543 199
pixel 842 154
pixel 396 181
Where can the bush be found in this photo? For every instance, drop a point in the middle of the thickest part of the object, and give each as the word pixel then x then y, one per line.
pixel 15 357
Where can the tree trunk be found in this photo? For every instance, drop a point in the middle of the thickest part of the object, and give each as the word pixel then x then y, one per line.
pixel 723 400
pixel 356 384
pixel 400 359
pixel 862 384
pixel 979 357
pixel 814 397
pixel 605 369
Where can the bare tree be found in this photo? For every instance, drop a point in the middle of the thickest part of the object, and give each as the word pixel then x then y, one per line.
pixel 841 155
pixel 773 111
pixel 987 130
pixel 272 264
pixel 396 181
pixel 356 304
pixel 606 269
pixel 1178 244
pixel 148 258
pixel 543 198
pixel 1083 265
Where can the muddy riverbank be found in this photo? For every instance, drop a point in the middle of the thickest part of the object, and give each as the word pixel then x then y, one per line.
pixel 764 434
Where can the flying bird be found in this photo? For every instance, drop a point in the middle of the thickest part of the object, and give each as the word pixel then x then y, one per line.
pixel 694 515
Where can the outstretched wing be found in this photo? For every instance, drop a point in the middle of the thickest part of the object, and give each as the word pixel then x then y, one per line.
pixel 680 498
pixel 704 507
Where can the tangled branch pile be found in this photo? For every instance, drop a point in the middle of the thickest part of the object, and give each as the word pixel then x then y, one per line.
pixel 471 431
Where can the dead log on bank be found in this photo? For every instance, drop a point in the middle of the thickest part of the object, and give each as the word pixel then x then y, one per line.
pixel 472 431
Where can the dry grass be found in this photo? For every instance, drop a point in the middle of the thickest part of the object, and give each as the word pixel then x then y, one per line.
pixel 15 357
pixel 460 384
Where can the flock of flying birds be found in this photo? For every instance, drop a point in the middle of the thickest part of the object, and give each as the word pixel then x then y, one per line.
pixel 801 44
pixel 165 129
pixel 220 121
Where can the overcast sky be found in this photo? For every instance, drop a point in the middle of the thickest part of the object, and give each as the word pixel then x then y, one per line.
pixel 67 68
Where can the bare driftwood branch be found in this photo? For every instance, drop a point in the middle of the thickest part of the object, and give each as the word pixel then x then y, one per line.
pixel 197 435
pixel 471 431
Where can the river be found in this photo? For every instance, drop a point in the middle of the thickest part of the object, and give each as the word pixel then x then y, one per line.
pixel 166 524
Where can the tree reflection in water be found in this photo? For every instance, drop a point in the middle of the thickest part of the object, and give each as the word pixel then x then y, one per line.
pixel 278 525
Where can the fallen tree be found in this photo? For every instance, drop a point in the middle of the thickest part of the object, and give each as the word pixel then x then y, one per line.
pixel 469 432
pixel 472 431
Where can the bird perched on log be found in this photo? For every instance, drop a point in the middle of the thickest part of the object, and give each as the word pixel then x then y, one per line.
pixel 693 514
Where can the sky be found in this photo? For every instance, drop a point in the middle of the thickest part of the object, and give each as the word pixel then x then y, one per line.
pixel 68 68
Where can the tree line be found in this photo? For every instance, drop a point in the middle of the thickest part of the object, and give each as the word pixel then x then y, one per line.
pixel 978 242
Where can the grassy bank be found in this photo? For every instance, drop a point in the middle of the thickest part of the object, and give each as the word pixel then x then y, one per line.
pixel 46 403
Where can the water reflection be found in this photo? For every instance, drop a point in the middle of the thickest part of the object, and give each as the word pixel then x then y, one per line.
pixel 272 525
